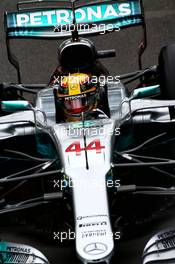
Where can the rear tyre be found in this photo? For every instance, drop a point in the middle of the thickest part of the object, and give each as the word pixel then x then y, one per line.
pixel 167 72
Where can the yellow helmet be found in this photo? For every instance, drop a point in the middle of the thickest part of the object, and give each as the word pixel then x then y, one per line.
pixel 76 93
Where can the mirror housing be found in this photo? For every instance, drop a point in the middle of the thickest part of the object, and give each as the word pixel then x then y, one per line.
pixel 145 92
pixel 13 106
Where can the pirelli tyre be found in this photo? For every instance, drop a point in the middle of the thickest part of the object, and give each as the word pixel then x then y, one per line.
pixel 167 72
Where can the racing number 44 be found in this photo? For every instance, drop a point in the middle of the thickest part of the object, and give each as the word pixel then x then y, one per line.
pixel 76 147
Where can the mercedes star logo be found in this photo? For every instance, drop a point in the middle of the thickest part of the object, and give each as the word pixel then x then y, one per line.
pixel 95 249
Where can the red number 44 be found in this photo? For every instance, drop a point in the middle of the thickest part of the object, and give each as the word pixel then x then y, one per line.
pixel 94 145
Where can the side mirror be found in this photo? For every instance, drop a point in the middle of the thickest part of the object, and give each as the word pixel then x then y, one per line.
pixel 17 253
pixel 12 106
pixel 145 92
pixel 160 248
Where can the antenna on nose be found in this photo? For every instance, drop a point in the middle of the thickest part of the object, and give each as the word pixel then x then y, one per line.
pixel 75 36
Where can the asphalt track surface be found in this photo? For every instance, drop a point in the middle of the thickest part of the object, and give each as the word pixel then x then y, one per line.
pixel 39 58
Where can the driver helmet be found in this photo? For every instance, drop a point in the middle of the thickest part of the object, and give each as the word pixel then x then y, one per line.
pixel 76 93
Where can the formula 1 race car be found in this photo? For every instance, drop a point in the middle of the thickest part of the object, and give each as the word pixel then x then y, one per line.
pixel 86 154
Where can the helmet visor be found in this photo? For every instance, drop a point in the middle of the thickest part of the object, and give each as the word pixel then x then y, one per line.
pixel 79 104
pixel 76 106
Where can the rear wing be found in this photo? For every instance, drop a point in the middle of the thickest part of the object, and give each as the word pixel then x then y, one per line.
pixel 38 19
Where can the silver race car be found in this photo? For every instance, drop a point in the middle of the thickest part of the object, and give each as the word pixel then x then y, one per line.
pixel 87 152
